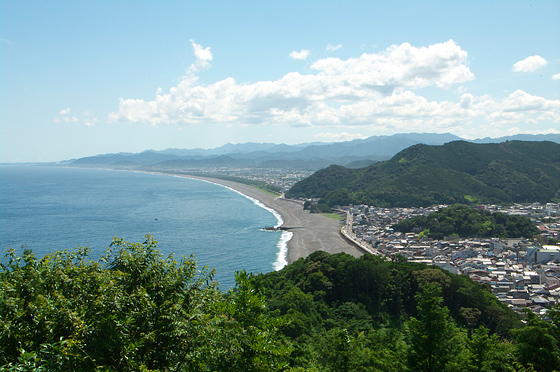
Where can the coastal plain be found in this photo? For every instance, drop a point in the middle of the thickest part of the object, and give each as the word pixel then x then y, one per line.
pixel 311 231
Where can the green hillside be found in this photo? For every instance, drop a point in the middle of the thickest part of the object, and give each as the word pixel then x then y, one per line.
pixel 312 292
pixel 457 172
pixel 466 222
pixel 136 310
pixel 369 314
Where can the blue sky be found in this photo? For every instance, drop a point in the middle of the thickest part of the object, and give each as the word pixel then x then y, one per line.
pixel 80 78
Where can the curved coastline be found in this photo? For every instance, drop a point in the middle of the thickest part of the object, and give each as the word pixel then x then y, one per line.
pixel 309 232
pixel 286 236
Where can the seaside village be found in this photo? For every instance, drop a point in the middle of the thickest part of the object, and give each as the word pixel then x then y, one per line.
pixel 521 273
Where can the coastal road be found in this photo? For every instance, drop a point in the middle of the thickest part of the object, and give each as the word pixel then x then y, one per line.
pixel 312 231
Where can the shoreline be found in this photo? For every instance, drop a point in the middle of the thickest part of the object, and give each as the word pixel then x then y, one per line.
pixel 285 237
pixel 310 232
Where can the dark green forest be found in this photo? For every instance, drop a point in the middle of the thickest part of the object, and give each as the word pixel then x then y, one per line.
pixel 455 173
pixel 466 222
pixel 136 310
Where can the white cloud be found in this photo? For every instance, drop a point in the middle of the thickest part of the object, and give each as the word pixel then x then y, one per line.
pixel 376 90
pixel 466 101
pixel 519 107
pixel 303 54
pixel 556 77
pixel 530 64
pixel 442 64
pixel 203 58
pixel 332 48
pixel 516 130
pixel 90 122
pixel 522 101
pixel 339 137
pixel 64 116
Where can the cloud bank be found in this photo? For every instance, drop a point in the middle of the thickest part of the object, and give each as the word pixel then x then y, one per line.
pixel 378 90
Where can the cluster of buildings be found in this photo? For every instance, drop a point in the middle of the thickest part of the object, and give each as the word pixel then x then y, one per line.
pixel 520 272
pixel 283 178
pixel 523 273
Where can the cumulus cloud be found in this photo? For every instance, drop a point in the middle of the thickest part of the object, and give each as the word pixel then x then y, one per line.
pixel 522 101
pixel 332 48
pixel 303 54
pixel 530 64
pixel 90 122
pixel 441 65
pixel 203 58
pixel 556 77
pixel 377 90
pixel 64 116
pixel 466 101
pixel 518 107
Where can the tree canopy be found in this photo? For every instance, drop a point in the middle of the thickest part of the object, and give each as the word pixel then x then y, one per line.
pixel 132 310
pixel 136 310
pixel 466 222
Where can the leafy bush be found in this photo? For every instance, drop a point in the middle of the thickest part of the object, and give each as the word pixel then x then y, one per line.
pixel 133 310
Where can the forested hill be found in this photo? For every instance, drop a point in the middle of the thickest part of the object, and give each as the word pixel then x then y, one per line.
pixel 137 310
pixel 358 294
pixel 457 172
pixel 371 314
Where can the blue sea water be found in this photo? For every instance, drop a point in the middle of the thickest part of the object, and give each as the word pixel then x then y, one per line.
pixel 56 208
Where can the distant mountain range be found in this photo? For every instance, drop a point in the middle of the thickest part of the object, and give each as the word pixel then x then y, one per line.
pixel 456 172
pixel 309 156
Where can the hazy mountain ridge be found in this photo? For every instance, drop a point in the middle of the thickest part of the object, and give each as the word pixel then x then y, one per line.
pixel 457 172
pixel 312 156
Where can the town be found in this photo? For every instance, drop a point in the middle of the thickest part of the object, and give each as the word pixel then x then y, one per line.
pixel 522 273
pixel 282 178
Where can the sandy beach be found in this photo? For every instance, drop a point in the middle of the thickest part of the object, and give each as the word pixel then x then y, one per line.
pixel 312 232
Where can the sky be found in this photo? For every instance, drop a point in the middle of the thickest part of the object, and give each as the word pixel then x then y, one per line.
pixel 81 78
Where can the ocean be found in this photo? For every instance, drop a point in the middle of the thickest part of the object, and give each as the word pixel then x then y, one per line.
pixel 49 208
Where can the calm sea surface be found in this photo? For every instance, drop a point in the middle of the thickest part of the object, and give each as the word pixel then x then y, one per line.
pixel 55 208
